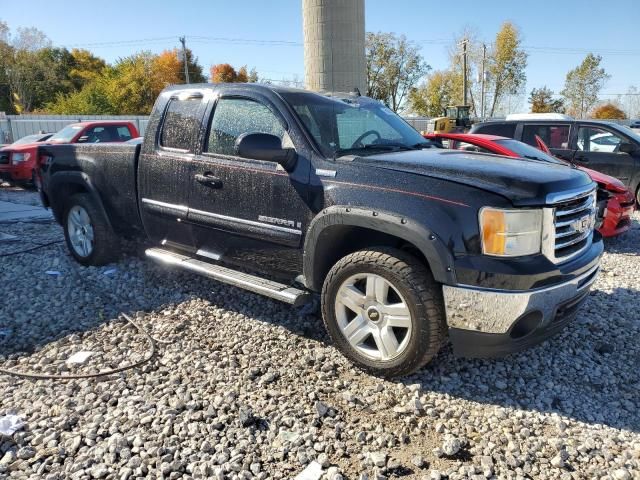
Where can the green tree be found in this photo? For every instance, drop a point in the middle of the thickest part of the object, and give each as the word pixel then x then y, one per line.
pixel 85 67
pixel 542 101
pixel 506 65
pixel 394 68
pixel 443 88
pixel 92 99
pixel 583 84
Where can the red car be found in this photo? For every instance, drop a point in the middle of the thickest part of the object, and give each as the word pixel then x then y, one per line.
pixel 18 160
pixel 615 202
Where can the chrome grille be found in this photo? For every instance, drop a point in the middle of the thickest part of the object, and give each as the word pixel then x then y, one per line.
pixel 573 222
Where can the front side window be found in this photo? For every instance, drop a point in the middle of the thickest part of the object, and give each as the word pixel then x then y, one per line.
pixel 233 117
pixel 555 136
pixel 123 133
pixel 594 139
pixel 180 123
pixel 355 125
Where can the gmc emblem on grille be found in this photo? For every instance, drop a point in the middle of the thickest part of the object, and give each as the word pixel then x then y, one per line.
pixel 582 224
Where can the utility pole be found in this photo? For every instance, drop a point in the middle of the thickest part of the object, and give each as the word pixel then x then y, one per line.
pixel 482 80
pixel 464 71
pixel 184 57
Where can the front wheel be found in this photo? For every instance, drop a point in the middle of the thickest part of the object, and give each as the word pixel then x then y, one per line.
pixel 88 233
pixel 384 311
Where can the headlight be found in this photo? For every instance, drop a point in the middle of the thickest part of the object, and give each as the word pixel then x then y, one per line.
pixel 20 157
pixel 510 233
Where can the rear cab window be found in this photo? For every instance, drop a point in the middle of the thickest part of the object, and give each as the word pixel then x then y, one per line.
pixel 499 129
pixel 180 124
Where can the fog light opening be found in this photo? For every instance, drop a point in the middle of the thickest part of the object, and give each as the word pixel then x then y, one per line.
pixel 526 324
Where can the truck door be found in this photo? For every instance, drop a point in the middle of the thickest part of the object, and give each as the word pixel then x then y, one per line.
pixel 247 211
pixel 164 171
pixel 598 148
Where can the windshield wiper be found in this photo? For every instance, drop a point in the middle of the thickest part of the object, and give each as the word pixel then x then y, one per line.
pixel 387 146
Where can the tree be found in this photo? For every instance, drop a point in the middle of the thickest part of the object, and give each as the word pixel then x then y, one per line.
pixel 167 69
pixel 195 69
pixel 92 99
pixel 608 111
pixel 542 101
pixel 506 65
pixel 86 67
pixel 225 73
pixel 583 84
pixel 394 68
pixel 443 88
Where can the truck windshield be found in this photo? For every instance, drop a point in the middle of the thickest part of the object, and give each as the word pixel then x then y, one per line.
pixel 66 134
pixel 353 125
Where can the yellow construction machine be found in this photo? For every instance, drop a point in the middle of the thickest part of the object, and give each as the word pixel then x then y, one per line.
pixel 455 120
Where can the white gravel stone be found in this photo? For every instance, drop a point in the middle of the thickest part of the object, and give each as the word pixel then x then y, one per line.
pixel 250 388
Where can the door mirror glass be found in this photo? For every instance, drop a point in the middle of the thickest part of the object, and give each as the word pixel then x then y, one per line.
pixel 267 147
pixel 626 147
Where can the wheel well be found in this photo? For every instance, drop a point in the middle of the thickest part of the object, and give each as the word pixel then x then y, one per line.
pixel 61 194
pixel 338 241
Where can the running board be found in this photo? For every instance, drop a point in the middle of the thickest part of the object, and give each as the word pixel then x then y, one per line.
pixel 268 288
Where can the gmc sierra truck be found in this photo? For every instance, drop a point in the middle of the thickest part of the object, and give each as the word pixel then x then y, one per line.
pixel 291 194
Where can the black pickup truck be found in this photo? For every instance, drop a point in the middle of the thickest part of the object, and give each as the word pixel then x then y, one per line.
pixel 290 194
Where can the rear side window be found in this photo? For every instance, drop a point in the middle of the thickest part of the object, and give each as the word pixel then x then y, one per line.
pixel 180 123
pixel 555 136
pixel 233 117
pixel 500 129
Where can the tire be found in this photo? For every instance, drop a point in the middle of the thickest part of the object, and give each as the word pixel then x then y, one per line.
pixel 638 196
pixel 104 245
pixel 374 321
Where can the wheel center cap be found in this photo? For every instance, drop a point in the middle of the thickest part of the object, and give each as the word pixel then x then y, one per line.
pixel 373 314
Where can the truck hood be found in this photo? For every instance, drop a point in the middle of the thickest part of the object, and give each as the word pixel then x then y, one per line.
pixel 524 182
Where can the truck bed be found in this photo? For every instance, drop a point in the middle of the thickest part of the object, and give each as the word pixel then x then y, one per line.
pixel 110 169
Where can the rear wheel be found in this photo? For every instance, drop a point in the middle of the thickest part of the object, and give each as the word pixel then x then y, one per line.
pixel 384 311
pixel 88 233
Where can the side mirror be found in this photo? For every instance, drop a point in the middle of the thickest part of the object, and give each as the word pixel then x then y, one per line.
pixel 627 147
pixel 267 147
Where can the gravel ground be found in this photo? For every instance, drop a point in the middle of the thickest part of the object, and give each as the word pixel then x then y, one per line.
pixel 250 388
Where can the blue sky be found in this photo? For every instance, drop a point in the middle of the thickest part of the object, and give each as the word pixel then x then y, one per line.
pixel 557 33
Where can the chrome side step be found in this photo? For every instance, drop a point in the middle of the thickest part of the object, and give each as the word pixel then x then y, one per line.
pixel 268 288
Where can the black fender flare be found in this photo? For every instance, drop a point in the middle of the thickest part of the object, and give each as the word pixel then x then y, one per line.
pixel 60 179
pixel 426 240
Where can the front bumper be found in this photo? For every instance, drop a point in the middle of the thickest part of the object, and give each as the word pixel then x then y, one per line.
pixel 492 322
pixel 617 215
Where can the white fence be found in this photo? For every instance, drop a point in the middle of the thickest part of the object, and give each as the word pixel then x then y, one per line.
pixel 13 127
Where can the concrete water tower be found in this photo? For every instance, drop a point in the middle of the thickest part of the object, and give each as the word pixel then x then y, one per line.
pixel 334 58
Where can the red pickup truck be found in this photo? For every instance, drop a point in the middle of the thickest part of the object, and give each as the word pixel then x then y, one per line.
pixel 18 161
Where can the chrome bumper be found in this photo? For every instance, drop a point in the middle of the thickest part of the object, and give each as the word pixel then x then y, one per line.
pixel 496 311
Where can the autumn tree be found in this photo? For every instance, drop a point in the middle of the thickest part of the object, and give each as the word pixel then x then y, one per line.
pixel 542 101
pixel 506 65
pixel 167 70
pixel 226 73
pixel 394 68
pixel 442 88
pixel 608 111
pixel 583 84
